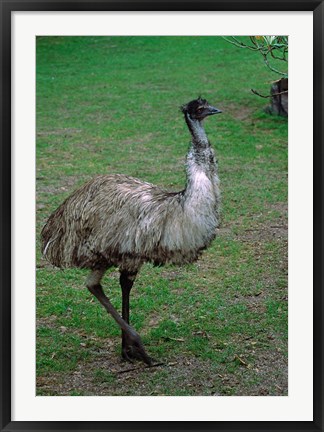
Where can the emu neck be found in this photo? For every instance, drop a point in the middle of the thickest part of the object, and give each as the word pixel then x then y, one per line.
pixel 202 178
pixel 199 137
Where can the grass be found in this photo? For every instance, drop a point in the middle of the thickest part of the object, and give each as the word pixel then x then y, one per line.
pixel 110 104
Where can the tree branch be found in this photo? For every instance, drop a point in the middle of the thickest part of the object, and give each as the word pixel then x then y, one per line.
pixel 268 96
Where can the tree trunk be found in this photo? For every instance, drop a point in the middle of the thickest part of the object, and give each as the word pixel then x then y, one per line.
pixel 279 100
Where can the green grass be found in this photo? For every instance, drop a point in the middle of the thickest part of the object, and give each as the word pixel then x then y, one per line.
pixel 108 105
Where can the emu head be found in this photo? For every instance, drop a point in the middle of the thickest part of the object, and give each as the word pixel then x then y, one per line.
pixel 198 109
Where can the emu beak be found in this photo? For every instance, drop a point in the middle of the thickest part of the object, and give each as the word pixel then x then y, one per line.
pixel 213 110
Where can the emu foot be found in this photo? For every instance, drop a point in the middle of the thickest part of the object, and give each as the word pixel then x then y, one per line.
pixel 133 348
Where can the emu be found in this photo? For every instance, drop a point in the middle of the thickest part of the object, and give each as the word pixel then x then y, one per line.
pixel 117 220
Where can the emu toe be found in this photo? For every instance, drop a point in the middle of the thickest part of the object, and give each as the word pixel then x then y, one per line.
pixel 133 349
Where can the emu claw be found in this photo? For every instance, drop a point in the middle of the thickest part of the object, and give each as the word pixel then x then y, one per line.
pixel 133 349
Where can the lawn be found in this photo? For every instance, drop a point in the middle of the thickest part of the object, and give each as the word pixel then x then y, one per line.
pixel 218 326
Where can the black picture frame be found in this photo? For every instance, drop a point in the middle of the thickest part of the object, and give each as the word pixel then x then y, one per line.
pixel 6 8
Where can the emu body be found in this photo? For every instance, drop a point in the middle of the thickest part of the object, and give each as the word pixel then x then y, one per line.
pixel 116 220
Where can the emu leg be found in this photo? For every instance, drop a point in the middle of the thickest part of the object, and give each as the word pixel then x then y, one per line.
pixel 126 282
pixel 133 339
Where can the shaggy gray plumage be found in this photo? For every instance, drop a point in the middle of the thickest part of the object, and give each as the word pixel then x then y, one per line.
pixel 116 220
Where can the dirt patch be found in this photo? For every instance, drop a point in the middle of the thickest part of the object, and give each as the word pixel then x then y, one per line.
pixel 142 139
pixel 170 275
pixel 68 182
pixel 47 322
pixel 108 375
pixel 266 233
pixel 260 229
pixel 257 378
pixel 237 111
pixel 66 132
